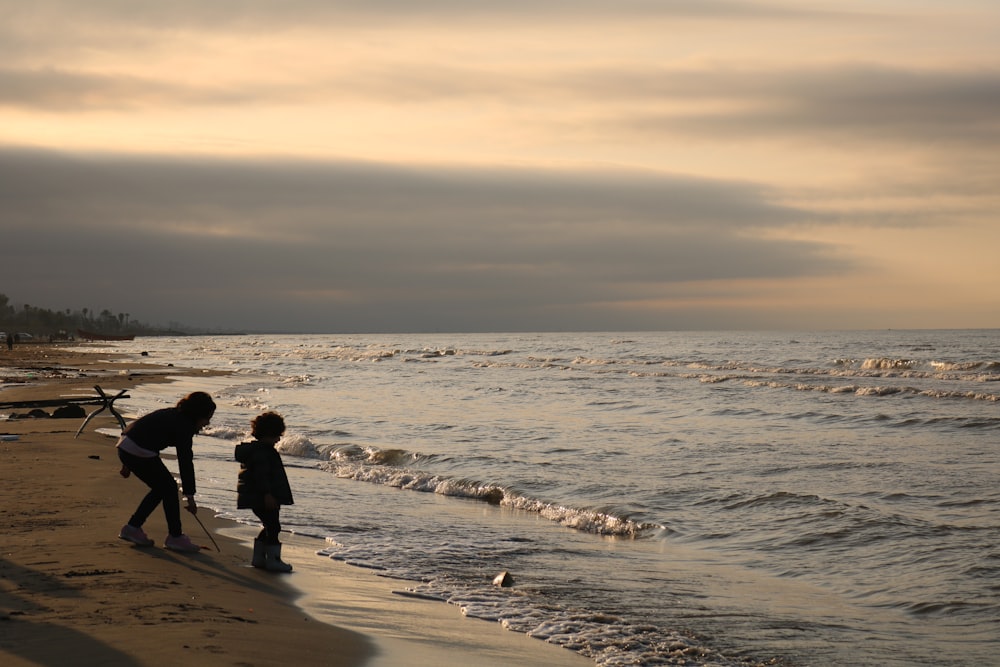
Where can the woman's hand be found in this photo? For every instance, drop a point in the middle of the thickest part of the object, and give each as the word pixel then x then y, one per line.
pixel 192 506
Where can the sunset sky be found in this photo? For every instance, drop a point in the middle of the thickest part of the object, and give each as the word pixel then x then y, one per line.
pixel 470 165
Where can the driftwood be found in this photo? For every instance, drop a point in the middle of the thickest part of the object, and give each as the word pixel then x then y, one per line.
pixel 107 403
pixel 103 400
pixel 53 402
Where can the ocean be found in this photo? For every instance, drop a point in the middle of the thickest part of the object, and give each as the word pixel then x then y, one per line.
pixel 696 498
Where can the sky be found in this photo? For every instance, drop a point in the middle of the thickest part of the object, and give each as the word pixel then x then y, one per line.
pixel 329 166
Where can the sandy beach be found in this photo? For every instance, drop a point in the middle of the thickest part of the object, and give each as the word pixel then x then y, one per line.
pixel 72 593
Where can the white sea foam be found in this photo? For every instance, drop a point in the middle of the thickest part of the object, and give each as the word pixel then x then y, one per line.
pixel 298 445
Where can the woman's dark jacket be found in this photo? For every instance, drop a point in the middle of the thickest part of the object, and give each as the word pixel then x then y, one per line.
pixel 168 427
pixel 261 472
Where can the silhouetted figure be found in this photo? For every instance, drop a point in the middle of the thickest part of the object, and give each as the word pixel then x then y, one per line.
pixel 262 486
pixel 139 451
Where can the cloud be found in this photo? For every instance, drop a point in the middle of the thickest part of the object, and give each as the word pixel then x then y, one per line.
pixel 873 103
pixel 46 32
pixel 264 14
pixel 365 246
pixel 61 90
pixel 857 104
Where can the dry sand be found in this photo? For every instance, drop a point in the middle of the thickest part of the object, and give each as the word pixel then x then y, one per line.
pixel 71 593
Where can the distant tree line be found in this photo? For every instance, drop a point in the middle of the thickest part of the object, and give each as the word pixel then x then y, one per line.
pixel 46 323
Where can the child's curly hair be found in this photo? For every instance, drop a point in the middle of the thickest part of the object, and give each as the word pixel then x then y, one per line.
pixel 269 424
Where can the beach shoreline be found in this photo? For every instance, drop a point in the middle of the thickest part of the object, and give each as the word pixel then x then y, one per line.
pixel 72 593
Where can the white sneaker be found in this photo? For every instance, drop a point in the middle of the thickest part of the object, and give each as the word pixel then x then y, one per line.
pixel 137 536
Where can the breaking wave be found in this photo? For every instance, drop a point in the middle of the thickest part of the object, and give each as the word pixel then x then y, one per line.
pixel 387 467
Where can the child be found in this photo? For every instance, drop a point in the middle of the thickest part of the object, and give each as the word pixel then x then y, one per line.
pixel 262 486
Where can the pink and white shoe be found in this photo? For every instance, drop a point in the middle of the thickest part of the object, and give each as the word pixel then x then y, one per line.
pixel 136 536
pixel 180 543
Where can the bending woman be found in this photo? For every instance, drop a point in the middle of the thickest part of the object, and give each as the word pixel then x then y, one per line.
pixel 139 451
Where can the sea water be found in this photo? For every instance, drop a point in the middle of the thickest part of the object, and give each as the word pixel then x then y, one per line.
pixel 658 498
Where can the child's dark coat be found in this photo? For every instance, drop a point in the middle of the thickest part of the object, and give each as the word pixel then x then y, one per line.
pixel 261 472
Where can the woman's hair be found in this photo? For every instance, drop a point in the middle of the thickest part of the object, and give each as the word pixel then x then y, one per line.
pixel 268 425
pixel 197 405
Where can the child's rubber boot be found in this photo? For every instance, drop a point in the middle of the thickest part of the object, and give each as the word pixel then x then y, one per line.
pixel 259 553
pixel 273 562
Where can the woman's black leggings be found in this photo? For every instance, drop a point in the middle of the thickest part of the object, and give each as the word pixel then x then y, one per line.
pixel 162 489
